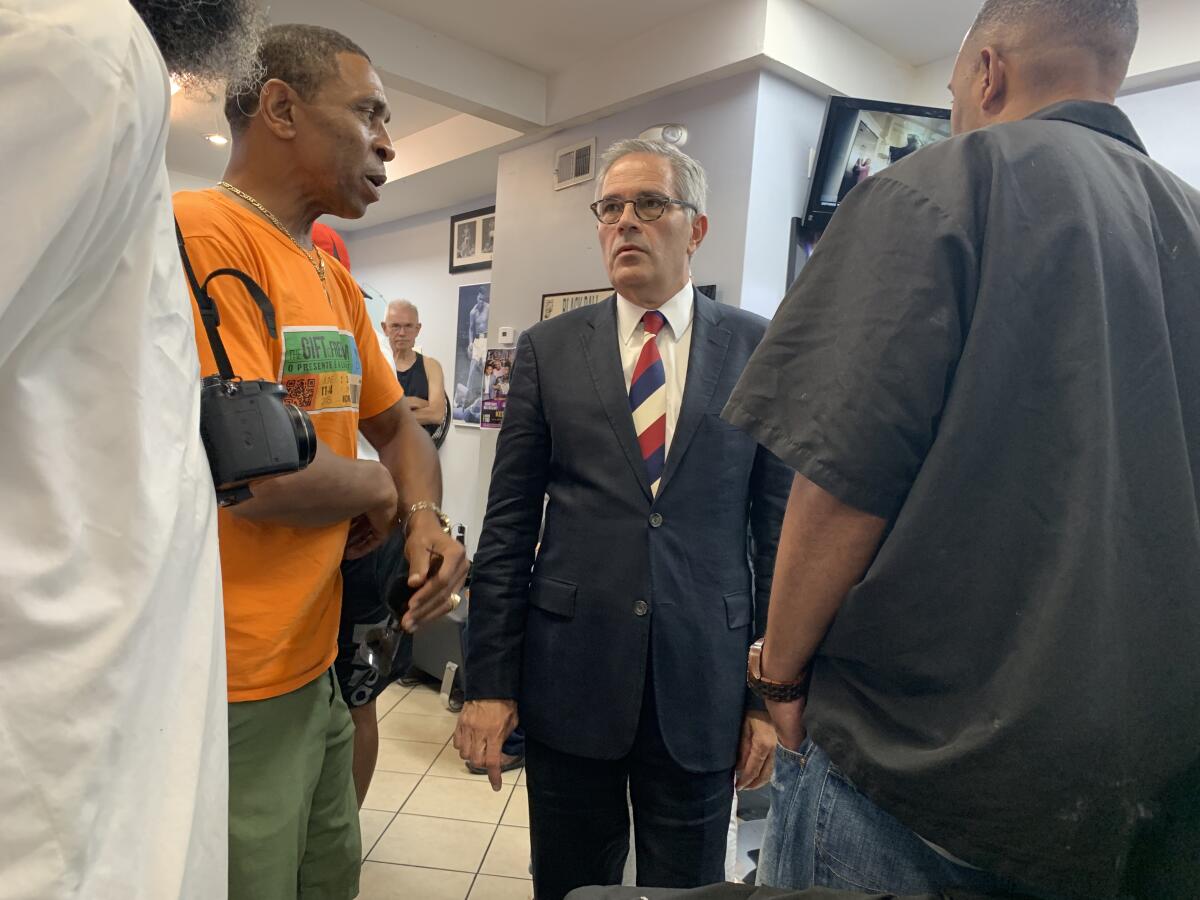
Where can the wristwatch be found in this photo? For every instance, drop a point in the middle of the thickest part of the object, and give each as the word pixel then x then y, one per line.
pixel 776 691
pixel 443 519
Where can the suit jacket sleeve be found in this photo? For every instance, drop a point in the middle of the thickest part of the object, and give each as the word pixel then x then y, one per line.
pixel 504 558
pixel 770 484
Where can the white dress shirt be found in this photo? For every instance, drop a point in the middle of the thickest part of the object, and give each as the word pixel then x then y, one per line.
pixel 113 740
pixel 674 346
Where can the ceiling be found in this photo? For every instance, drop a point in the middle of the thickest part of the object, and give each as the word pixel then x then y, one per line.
pixel 548 35
pixel 914 31
pixel 469 79
pixel 544 35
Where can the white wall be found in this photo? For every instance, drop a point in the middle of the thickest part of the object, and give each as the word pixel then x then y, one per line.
pixel 1167 122
pixel 829 56
pixel 787 125
pixel 931 83
pixel 718 37
pixel 1166 47
pixel 183 181
pixel 409 260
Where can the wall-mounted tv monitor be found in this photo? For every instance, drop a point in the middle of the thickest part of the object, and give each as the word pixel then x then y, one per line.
pixel 862 138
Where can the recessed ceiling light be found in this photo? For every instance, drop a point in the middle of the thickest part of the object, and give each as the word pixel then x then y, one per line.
pixel 219 139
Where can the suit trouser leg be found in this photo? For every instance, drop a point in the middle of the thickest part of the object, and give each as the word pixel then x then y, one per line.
pixel 680 818
pixel 578 820
pixel 579 815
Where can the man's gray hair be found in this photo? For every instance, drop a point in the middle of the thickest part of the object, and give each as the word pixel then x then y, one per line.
pixel 405 304
pixel 690 184
pixel 1108 27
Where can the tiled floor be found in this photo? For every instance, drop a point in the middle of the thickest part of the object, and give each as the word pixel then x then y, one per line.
pixel 430 829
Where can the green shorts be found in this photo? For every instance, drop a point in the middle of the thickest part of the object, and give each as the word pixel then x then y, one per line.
pixel 293 813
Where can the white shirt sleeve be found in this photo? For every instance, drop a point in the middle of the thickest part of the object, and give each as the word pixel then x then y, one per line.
pixel 60 98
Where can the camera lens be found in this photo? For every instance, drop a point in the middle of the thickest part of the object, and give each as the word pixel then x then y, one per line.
pixel 306 437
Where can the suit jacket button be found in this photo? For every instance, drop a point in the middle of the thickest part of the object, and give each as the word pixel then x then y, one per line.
pixel 640 608
pixel 656 520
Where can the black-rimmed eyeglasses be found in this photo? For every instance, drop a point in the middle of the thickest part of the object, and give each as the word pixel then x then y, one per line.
pixel 648 207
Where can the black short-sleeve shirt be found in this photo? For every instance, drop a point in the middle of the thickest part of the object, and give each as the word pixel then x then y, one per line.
pixel 996 347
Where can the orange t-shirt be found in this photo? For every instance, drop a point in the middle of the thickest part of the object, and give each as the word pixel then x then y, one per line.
pixel 283 585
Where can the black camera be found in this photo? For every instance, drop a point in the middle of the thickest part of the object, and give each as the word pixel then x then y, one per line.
pixel 250 432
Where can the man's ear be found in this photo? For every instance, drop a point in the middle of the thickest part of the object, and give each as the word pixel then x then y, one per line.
pixel 994 86
pixel 699 230
pixel 277 108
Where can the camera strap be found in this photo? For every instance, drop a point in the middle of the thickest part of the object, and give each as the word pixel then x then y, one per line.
pixel 208 309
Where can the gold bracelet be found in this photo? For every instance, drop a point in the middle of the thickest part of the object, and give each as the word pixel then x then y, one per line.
pixel 420 505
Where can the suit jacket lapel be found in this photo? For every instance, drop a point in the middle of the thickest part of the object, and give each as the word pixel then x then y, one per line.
pixel 710 342
pixel 603 357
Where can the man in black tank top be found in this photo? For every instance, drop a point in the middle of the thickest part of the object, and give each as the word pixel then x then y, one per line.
pixel 419 375
pixel 415 381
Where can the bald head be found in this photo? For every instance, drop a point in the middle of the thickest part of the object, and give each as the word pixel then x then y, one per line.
pixel 1023 55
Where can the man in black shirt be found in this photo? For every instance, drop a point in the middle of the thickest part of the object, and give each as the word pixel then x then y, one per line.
pixel 419 375
pixel 988 381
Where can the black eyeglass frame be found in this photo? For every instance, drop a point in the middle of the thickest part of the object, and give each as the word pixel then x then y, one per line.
pixel 667 201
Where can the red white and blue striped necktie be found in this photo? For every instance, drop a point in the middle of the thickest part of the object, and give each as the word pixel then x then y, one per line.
pixel 648 400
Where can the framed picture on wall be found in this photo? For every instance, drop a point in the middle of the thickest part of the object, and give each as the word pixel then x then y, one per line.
pixel 470 354
pixel 471 239
pixel 497 369
pixel 557 304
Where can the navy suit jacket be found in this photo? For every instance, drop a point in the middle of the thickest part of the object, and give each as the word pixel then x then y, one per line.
pixel 622 577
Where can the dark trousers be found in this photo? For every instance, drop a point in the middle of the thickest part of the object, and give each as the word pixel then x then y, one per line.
pixel 579 819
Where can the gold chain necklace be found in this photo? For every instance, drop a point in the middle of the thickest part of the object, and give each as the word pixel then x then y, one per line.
pixel 318 265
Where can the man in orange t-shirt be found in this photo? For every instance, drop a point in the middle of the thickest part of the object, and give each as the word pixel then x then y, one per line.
pixel 308 139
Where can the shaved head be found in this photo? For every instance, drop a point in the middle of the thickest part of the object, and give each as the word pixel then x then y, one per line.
pixel 1024 55
pixel 1107 28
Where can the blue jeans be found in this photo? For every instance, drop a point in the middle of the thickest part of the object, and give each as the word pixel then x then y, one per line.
pixel 822 832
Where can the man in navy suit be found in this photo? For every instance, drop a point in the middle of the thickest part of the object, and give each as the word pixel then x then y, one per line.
pixel 623 643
